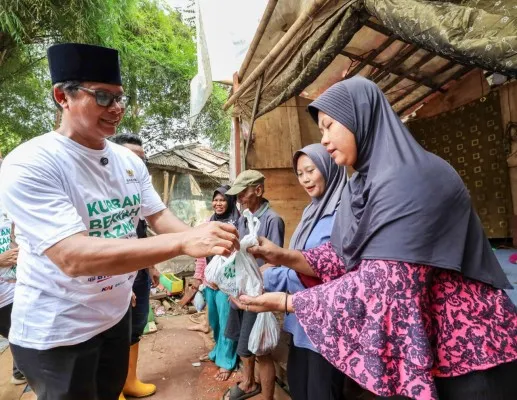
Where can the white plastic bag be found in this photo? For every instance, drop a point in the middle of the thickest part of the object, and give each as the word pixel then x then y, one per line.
pixel 220 271
pixel 199 300
pixel 240 274
pixel 265 334
pixel 247 272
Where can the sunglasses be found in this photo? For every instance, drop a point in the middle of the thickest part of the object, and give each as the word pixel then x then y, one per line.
pixel 106 99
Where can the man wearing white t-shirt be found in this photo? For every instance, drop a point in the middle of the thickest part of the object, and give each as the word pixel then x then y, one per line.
pixel 70 192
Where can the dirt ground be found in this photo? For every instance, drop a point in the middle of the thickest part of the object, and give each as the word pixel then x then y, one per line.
pixel 166 359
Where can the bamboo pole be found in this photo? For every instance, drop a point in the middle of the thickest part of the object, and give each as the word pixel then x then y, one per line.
pixel 254 113
pixel 276 50
pixel 237 132
pixel 166 188
pixel 264 21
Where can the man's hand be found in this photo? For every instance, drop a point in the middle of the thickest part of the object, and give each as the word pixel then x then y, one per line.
pixel 154 274
pixel 212 238
pixel 133 299
pixel 9 258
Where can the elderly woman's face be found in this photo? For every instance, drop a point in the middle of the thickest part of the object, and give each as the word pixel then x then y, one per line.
pixel 338 140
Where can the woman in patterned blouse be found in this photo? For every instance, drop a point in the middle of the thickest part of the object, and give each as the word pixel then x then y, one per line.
pixel 413 302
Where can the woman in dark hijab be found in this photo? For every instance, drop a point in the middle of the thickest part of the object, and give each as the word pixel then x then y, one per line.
pixel 224 353
pixel 413 301
pixel 310 376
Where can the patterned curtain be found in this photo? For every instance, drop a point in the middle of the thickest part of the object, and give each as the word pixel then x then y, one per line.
pixel 471 138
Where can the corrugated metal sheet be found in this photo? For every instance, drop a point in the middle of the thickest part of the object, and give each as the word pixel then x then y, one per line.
pixel 193 158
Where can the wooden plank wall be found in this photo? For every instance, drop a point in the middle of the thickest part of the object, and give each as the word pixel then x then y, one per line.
pixel 471 88
pixel 278 135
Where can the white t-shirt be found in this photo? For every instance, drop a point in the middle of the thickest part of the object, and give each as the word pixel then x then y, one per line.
pixel 6 286
pixel 52 188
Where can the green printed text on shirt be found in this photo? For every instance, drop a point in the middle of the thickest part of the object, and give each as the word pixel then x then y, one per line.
pixel 113 218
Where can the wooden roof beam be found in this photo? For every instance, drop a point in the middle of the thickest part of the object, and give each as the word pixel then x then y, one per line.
pixel 458 75
pixel 396 61
pixel 372 56
pixel 407 73
pixel 420 81
pixel 440 71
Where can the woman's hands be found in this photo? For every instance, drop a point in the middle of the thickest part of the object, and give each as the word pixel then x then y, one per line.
pixel 268 251
pixel 266 302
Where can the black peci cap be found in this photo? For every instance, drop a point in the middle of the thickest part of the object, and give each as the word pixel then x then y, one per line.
pixel 83 62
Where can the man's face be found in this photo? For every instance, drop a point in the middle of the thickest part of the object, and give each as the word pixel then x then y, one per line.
pixel 87 117
pixel 251 198
pixel 138 150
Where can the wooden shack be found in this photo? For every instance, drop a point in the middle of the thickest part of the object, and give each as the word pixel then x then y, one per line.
pixel 448 69
pixel 186 177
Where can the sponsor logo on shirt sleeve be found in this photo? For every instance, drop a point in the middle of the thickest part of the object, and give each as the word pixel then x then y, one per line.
pixel 131 176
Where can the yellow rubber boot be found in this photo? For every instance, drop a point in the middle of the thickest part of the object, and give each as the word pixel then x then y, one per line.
pixel 133 386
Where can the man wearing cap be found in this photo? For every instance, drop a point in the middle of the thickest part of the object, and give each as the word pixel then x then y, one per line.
pixel 70 192
pixel 249 188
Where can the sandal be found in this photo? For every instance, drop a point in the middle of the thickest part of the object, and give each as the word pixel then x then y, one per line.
pixel 236 393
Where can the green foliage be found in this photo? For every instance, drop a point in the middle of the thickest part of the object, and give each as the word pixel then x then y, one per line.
pixel 158 56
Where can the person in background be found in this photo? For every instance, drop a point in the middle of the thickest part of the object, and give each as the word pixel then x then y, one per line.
pixel 413 302
pixel 309 374
pixel 145 278
pixel 8 258
pixel 249 188
pixel 76 199
pixel 224 353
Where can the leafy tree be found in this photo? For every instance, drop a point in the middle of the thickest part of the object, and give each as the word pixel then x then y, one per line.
pixel 158 61
pixel 27 28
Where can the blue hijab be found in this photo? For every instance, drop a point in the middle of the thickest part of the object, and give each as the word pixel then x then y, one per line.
pixel 404 203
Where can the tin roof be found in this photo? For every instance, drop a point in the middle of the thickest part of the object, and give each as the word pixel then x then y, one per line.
pixel 193 158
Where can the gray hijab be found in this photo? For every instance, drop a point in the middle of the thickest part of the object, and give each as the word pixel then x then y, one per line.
pixel 335 180
pixel 404 203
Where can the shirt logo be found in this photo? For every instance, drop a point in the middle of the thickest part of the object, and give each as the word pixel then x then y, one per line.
pixel 130 178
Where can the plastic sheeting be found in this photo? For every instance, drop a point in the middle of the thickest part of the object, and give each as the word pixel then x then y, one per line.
pixel 477 33
pixel 223 35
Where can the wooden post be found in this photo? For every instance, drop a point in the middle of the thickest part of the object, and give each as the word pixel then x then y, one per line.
pixel 166 188
pixel 295 134
pixel 237 131
pixel 253 114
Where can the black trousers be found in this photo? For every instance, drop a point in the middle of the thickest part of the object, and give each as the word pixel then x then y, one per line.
pixel 5 326
pixel 311 377
pixel 238 328
pixel 92 370
pixel 497 383
pixel 140 312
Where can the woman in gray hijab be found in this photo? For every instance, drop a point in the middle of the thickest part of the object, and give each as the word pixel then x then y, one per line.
pixel 309 374
pixel 412 302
